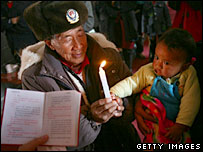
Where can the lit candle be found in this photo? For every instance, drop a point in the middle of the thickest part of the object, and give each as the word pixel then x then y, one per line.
pixel 104 80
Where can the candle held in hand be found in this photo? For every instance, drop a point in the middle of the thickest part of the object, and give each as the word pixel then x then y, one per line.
pixel 104 80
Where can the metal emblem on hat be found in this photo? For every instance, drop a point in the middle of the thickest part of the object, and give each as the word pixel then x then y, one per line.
pixel 72 16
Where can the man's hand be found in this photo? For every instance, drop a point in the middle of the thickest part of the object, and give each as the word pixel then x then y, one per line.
pixel 175 132
pixel 140 115
pixel 32 145
pixel 102 110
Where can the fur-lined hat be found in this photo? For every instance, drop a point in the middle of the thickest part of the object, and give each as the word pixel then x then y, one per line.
pixel 53 17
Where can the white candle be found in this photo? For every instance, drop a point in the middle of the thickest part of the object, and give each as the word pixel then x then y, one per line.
pixel 104 80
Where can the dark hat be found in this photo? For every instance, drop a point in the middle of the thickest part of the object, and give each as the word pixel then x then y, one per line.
pixel 46 18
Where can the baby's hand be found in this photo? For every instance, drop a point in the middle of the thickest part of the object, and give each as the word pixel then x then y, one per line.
pixel 120 107
pixel 175 132
pixel 112 95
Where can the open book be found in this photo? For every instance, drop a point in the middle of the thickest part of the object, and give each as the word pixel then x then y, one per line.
pixel 30 114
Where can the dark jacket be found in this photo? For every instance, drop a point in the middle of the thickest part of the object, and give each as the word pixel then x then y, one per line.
pixel 89 24
pixel 156 18
pixel 118 21
pixel 18 35
pixel 49 75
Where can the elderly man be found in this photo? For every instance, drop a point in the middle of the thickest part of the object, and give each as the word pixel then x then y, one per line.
pixel 71 61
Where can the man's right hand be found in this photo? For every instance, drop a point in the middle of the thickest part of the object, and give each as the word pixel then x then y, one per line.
pixel 102 110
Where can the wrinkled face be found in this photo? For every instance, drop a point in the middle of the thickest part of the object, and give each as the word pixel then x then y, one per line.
pixel 168 63
pixel 71 45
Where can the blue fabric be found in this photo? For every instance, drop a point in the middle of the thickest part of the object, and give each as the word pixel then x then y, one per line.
pixel 169 96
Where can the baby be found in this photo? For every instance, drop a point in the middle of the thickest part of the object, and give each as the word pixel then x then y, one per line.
pixel 170 86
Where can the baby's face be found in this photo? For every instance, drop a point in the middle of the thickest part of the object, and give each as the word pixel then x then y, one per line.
pixel 168 63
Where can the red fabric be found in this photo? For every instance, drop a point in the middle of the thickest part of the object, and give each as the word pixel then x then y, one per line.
pixel 159 128
pixel 190 20
pixel 10 4
pixel 84 63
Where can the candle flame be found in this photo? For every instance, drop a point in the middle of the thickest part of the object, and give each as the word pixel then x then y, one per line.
pixel 103 64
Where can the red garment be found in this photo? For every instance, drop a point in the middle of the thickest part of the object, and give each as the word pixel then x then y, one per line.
pixel 189 19
pixel 10 4
pixel 84 63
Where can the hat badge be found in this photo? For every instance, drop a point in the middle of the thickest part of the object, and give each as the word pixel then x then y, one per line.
pixel 72 16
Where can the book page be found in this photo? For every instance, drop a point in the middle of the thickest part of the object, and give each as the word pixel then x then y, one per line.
pixel 22 116
pixel 61 117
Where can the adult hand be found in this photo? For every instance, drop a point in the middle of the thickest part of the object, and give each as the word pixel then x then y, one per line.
pixel 140 115
pixel 102 110
pixel 32 145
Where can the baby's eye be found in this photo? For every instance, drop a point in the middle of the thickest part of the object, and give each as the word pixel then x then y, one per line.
pixel 166 62
pixel 156 57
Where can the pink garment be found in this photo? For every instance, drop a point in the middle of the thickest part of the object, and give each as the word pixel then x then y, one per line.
pixel 146 47
pixel 172 13
pixel 138 131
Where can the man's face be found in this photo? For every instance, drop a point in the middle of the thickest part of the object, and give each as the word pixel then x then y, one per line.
pixel 71 45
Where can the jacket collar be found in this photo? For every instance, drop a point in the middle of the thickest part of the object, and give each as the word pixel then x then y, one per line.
pixel 50 64
pixel 83 64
